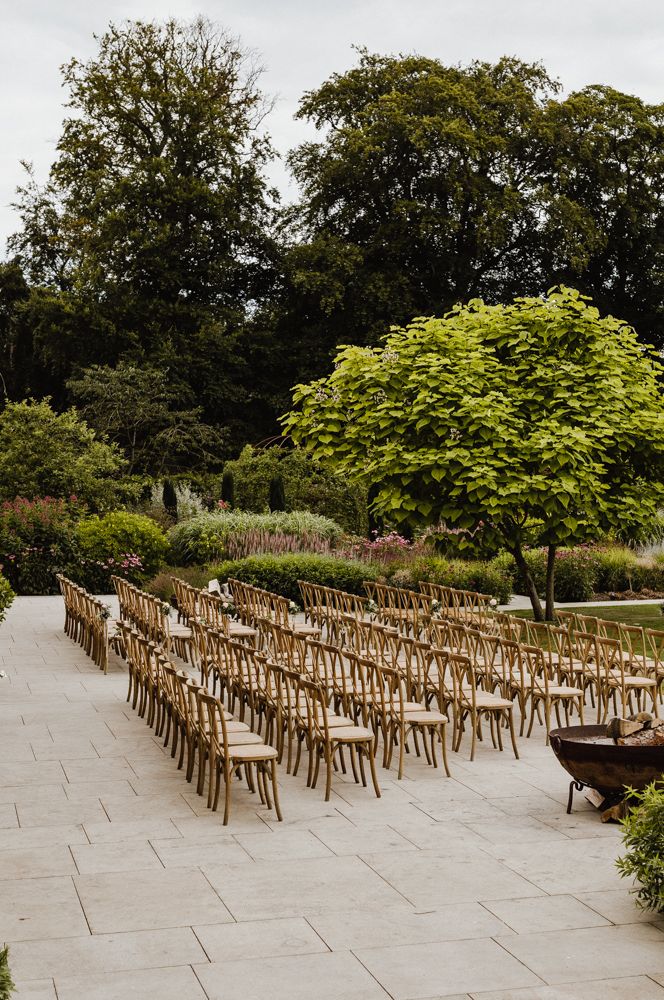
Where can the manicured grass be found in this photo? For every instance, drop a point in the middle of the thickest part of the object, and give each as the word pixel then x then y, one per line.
pixel 647 615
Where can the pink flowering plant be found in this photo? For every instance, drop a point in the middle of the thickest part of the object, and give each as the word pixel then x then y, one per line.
pixel 95 574
pixel 383 549
pixel 119 544
pixel 37 540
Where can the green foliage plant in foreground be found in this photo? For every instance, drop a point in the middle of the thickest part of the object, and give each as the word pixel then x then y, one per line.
pixel 7 595
pixel 7 985
pixel 235 534
pixel 643 837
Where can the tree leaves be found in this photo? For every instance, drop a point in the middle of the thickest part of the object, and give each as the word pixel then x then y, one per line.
pixel 498 414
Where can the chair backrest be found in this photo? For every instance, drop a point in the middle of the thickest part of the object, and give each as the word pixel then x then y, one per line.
pixel 536 669
pixel 212 717
pixel 653 641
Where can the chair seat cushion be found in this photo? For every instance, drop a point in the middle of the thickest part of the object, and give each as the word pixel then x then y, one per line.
pixel 426 717
pixel 244 739
pixel 352 734
pixel 485 700
pixel 252 753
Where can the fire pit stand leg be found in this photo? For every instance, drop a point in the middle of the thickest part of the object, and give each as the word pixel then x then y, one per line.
pixel 579 786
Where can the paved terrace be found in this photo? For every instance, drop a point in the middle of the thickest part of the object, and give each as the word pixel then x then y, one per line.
pixel 116 881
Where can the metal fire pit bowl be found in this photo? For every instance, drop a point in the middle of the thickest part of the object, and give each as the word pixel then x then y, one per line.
pixel 595 761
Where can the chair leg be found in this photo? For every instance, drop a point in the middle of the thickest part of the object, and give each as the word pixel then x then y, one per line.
pixel 444 752
pixel 275 790
pixel 328 780
pixel 510 717
pixel 227 797
pixel 372 766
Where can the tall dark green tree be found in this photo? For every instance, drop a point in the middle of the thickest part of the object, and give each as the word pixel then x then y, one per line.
pixel 423 190
pixel 136 408
pixel 430 184
pixel 604 203
pixel 154 223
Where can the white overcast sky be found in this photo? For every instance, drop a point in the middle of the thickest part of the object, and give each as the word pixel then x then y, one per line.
pixel 617 42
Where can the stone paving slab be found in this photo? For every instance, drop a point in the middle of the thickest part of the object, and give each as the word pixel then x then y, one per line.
pixel 116 880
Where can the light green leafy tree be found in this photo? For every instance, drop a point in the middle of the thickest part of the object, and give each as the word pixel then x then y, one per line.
pixel 43 453
pixel 538 422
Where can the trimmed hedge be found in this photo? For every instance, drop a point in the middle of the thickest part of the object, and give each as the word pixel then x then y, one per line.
pixel 236 534
pixel 281 573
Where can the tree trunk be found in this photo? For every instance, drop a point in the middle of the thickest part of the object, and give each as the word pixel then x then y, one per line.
pixel 550 578
pixel 528 582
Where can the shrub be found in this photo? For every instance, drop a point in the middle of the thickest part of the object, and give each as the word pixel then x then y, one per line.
pixel 384 549
pixel 618 568
pixel 119 537
pixel 228 488
pixel 7 985
pixel 236 534
pixel 277 498
pixel 650 574
pixel 161 585
pixel 483 577
pixel 169 499
pixel 307 486
pixel 7 595
pixel 37 540
pixel 643 837
pixel 56 454
pixel 281 573
pixel 576 574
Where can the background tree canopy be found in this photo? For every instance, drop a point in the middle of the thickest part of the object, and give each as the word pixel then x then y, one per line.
pixel 156 246
pixel 47 454
pixel 150 239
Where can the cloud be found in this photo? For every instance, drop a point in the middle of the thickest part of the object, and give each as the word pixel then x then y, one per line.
pixel 580 42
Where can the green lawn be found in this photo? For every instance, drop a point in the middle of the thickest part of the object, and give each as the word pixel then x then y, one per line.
pixel 648 615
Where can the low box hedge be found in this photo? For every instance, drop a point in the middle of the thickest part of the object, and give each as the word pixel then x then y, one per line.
pixel 280 574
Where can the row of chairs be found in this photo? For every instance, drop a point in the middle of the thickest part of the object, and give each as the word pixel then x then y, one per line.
pixel 198 605
pixel 323 606
pixel 468 688
pixel 254 604
pixel 567 664
pixel 609 659
pixel 188 714
pixel 408 610
pixel 413 609
pixel 152 617
pixel 540 666
pixel 87 621
pixel 323 699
